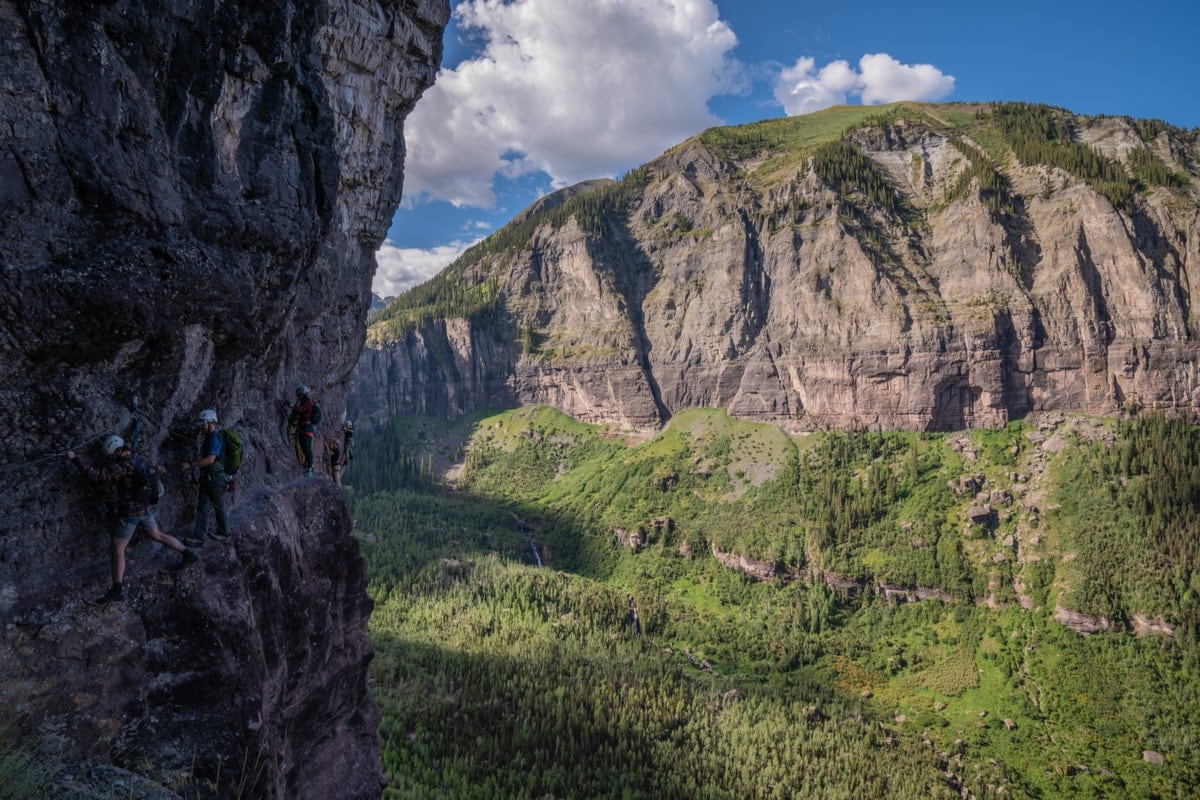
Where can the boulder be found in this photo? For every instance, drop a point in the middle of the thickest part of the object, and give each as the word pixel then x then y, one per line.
pixel 979 514
pixel 1080 622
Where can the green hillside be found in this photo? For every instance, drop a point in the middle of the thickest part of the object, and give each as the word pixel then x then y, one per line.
pixel 825 675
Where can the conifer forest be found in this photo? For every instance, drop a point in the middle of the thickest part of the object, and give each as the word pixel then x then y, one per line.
pixel 726 611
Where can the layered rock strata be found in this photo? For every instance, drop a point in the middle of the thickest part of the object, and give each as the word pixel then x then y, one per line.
pixel 192 196
pixel 753 283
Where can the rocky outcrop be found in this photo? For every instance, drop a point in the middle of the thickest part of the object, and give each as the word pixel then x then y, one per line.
pixel 1080 622
pixel 633 540
pixel 747 279
pixel 193 195
pixel 910 594
pixel 254 662
pixel 1144 625
pixel 761 571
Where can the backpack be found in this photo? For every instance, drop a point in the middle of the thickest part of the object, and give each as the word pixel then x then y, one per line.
pixel 233 451
pixel 147 488
pixel 316 414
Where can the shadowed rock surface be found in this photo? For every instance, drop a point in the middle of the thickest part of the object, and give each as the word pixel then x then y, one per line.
pixel 192 196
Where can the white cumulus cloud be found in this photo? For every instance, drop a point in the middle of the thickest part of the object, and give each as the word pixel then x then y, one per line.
pixel 401 268
pixel 575 88
pixel 802 88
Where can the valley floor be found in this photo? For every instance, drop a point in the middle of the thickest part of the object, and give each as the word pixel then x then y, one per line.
pixel 724 611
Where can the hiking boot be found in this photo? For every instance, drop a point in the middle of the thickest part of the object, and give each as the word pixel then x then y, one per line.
pixel 189 558
pixel 220 537
pixel 308 473
pixel 114 595
pixel 193 541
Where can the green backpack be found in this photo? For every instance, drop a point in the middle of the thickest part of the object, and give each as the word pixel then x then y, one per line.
pixel 233 451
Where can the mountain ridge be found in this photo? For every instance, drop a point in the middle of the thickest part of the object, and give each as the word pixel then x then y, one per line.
pixel 905 267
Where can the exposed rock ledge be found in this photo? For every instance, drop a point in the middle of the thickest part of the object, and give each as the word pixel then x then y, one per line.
pixel 265 641
pixel 1147 626
pixel 765 572
pixel 1080 622
pixel 762 571
pixel 848 587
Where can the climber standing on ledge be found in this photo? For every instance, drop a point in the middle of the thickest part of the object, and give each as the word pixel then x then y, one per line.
pixel 132 475
pixel 211 464
pixel 347 443
pixel 333 458
pixel 303 421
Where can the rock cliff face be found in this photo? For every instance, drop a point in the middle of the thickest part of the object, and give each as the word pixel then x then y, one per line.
pixel 916 274
pixel 192 196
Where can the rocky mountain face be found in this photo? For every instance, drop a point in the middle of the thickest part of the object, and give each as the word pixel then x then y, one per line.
pixel 919 267
pixel 192 196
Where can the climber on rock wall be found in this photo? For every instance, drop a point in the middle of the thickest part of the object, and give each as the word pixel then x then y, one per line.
pixel 136 478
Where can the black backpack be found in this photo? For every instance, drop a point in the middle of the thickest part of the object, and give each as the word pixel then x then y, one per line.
pixel 146 486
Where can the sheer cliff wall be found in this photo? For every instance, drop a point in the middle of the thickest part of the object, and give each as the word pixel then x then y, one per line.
pixel 930 279
pixel 191 195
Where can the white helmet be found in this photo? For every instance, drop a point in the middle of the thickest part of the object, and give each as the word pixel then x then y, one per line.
pixel 302 391
pixel 206 416
pixel 112 444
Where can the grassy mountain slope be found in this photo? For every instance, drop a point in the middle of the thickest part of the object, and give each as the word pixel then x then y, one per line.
pixel 780 648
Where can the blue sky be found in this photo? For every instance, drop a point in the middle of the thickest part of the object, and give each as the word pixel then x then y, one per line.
pixel 534 95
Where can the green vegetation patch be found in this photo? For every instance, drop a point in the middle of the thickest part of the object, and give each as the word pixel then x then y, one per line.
pixel 1129 512
pixel 500 680
pixel 800 134
pixel 449 294
pixel 1043 135
pixel 560 625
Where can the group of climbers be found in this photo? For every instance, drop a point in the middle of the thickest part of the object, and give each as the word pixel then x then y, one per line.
pixel 136 479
